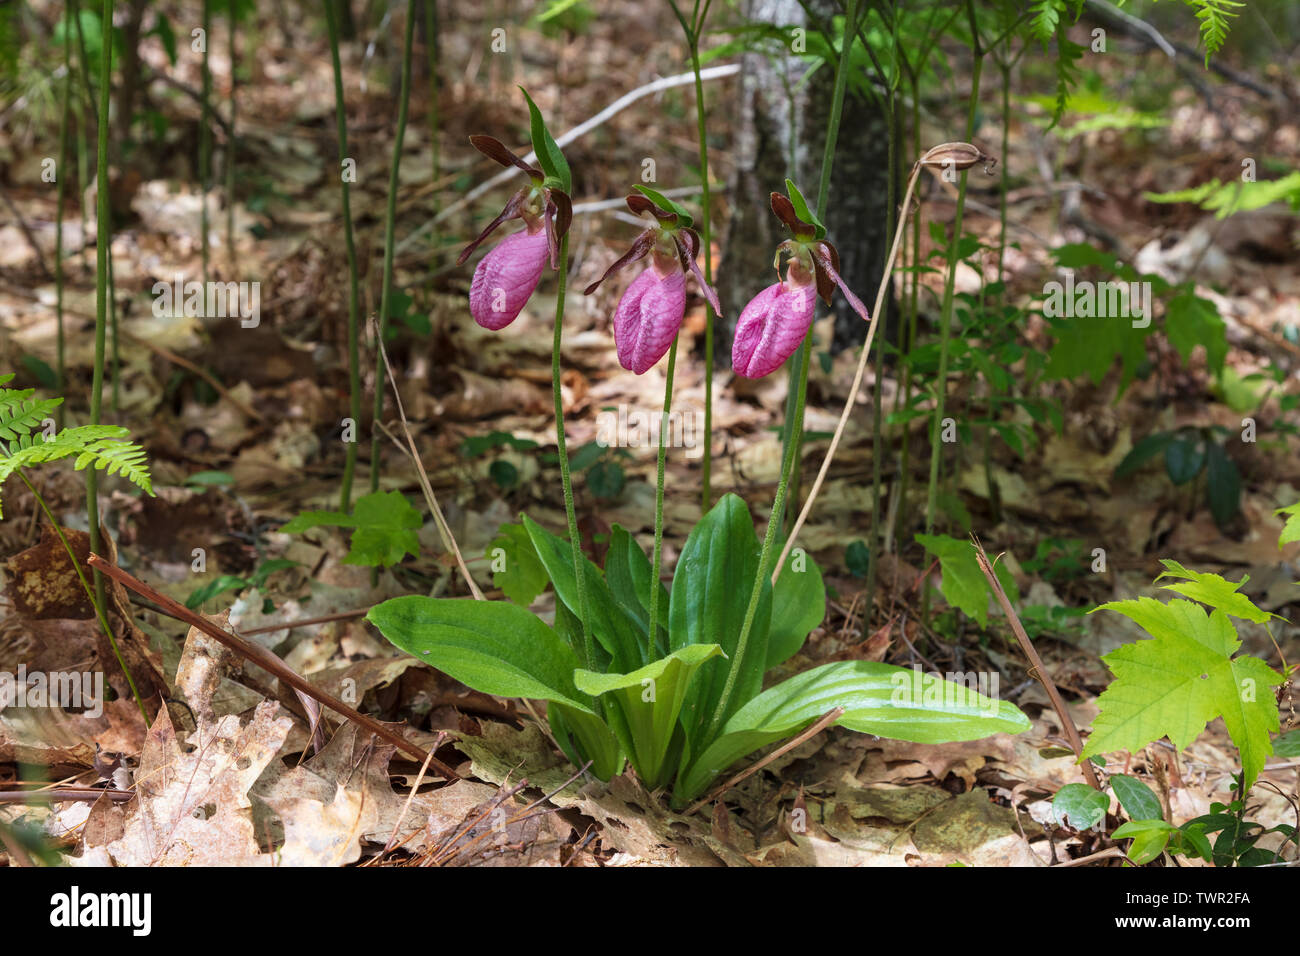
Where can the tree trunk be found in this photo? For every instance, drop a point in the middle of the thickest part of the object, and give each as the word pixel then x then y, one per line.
pixel 781 137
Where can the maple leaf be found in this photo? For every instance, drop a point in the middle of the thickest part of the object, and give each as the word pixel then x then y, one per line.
pixel 1176 683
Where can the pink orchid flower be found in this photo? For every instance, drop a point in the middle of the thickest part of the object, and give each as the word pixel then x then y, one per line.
pixel 650 313
pixel 776 320
pixel 771 327
pixel 508 275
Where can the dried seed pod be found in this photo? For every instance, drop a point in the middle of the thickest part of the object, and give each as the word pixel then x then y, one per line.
pixel 958 156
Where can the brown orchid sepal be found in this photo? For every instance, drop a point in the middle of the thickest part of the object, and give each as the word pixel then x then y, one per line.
pixel 542 205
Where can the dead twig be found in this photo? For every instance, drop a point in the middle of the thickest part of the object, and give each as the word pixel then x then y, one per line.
pixel 444 530
pixel 63 794
pixel 269 662
pixel 1036 668
pixel 826 720
pixel 1109 853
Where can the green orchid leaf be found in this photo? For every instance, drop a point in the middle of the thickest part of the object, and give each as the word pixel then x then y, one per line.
pixel 684 218
pixel 548 153
pixel 594 740
pixel 610 624
pixel 628 573
pixel 650 699
pixel 798 606
pixel 877 698
pixel 711 588
pixel 491 646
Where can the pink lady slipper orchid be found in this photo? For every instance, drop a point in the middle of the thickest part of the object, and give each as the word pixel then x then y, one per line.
pixel 651 311
pixel 508 275
pixel 777 319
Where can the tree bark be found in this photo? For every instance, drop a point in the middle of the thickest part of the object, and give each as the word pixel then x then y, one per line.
pixel 782 133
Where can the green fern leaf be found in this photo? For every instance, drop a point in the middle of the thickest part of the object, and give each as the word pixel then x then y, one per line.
pixel 102 446
pixel 1214 16
pixel 20 413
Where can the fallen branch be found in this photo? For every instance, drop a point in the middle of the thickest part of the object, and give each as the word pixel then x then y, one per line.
pixel 826 720
pixel 444 530
pixel 1036 668
pixel 269 662
pixel 63 794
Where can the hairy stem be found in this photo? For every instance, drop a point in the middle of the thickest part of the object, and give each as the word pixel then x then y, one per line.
pixel 657 560
pixel 230 148
pixel 62 173
pixel 205 138
pixel 566 480
pixel 431 42
pixel 103 236
pixel 692 29
pixel 946 311
pixel 390 220
pixel 94 595
pixel 354 347
pixel 795 432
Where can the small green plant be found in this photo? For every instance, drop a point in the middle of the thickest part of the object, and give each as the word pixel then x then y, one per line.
pixel 1226 199
pixel 654 699
pixel 1189 453
pixel 383 527
pixel 503 472
pixel 1172 686
pixel 963 583
pixel 27 437
pixel 602 469
pixel 230 582
pixel 1187 675
pixel 1057 559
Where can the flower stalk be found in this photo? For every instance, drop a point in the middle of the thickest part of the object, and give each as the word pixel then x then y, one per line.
pixel 795 425
pixel 390 218
pixel 354 310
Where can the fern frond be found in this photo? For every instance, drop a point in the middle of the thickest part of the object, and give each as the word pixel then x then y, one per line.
pixel 1046 16
pixel 1068 55
pixel 1214 16
pixel 102 446
pixel 20 413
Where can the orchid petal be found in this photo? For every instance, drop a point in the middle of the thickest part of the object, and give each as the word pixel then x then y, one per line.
pixel 771 327
pixel 687 251
pixel 824 262
pixel 641 247
pixel 648 317
pixel 511 211
pixel 506 278
pixel 495 150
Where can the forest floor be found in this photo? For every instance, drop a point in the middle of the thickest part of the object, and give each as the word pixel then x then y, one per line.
pixel 273 428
